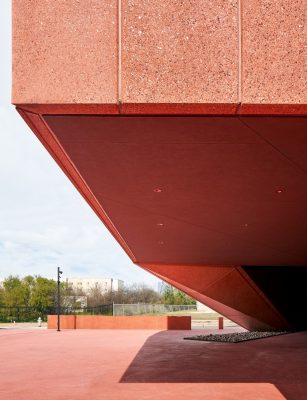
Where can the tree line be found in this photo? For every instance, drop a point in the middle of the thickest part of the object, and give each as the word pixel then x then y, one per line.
pixel 40 293
pixel 30 291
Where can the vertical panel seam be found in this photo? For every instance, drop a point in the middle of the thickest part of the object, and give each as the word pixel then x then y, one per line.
pixel 119 51
pixel 239 51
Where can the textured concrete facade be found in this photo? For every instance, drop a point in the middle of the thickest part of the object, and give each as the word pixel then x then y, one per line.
pixel 141 51
pixel 180 51
pixel 65 51
pixel 273 40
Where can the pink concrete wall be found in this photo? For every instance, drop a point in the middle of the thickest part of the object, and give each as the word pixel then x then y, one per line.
pixel 120 322
pixel 182 51
pixel 133 322
pixel 273 52
pixel 64 51
pixel 66 322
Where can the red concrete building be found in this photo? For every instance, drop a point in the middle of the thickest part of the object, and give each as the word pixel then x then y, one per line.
pixel 183 125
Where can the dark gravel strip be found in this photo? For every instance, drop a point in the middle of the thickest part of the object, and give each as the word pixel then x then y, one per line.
pixel 234 337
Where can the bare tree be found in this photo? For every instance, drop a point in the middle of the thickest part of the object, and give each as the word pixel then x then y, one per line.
pixel 136 293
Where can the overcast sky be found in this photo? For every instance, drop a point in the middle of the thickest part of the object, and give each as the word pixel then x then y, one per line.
pixel 44 222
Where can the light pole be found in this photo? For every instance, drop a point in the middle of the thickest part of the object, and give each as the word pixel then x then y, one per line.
pixel 59 298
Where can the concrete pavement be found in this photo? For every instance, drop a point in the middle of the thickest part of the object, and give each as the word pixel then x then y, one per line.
pixel 147 365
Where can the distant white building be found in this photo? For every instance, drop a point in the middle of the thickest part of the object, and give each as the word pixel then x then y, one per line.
pixel 103 284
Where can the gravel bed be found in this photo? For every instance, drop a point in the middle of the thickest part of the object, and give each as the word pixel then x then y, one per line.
pixel 234 337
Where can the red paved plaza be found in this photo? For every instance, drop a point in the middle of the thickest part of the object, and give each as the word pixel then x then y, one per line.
pixel 139 365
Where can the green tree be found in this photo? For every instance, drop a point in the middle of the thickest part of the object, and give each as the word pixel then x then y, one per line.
pixel 168 295
pixel 30 282
pixel 1 296
pixel 43 293
pixel 171 295
pixel 15 293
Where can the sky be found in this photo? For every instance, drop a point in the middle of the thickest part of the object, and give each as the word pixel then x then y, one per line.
pixel 44 221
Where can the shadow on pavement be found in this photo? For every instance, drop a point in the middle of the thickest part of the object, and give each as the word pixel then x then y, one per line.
pixel 167 358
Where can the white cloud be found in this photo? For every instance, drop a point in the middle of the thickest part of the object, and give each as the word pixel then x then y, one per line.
pixel 44 222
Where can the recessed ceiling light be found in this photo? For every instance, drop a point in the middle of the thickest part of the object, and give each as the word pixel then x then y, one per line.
pixel 160 224
pixel 157 190
pixel 279 191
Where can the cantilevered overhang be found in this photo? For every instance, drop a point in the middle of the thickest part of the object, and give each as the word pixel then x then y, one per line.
pixel 184 127
pixel 191 189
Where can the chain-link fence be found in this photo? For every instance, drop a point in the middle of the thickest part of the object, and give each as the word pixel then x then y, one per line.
pixel 104 309
pixel 30 314
pixel 20 314
pixel 144 308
